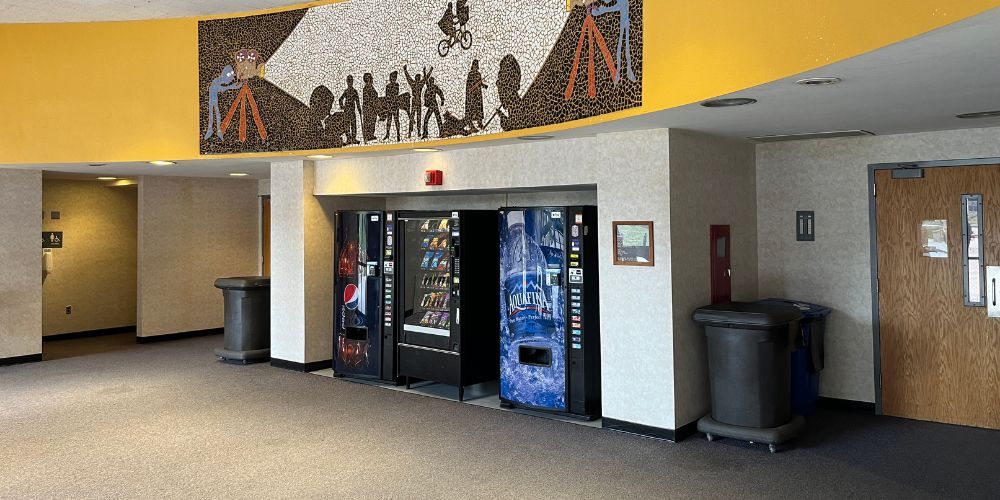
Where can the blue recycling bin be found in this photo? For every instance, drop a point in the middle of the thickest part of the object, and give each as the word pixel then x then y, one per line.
pixel 807 359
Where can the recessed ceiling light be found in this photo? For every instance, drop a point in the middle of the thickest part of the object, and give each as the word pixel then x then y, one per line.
pixel 107 178
pixel 238 174
pixel 319 157
pixel 162 163
pixel 426 150
pixel 820 80
pixel 535 137
pixel 810 135
pixel 728 102
pixel 980 114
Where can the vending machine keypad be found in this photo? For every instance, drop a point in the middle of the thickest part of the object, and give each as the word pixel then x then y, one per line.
pixel 388 270
pixel 575 273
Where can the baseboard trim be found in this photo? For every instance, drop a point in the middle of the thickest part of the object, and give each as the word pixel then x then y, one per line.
pixel 685 431
pixel 179 336
pixel 89 333
pixel 674 435
pixel 302 367
pixel 20 360
pixel 846 404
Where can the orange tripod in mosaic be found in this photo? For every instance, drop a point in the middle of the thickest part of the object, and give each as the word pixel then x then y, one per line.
pixel 589 33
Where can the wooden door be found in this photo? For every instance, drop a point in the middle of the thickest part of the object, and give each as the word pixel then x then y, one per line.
pixel 940 359
pixel 722 281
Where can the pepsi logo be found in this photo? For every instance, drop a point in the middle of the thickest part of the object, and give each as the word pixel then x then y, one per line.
pixel 351 296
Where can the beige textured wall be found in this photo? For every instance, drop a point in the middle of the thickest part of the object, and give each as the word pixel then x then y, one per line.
pixel 20 263
pixel 191 232
pixel 712 181
pixel 630 172
pixel 95 271
pixel 831 177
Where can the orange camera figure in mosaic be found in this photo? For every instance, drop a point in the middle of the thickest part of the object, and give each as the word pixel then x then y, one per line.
pixel 248 66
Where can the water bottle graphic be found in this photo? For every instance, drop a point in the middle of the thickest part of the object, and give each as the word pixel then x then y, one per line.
pixel 532 370
pixel 529 308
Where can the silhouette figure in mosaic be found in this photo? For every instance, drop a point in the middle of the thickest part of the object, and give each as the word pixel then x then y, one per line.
pixel 369 108
pixel 350 103
pixel 624 34
pixel 474 85
pixel 321 123
pixel 225 81
pixel 431 93
pixel 509 92
pixel 455 126
pixel 452 24
pixel 417 84
pixel 392 105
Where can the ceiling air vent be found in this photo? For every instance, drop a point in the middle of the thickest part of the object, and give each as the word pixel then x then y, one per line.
pixel 810 135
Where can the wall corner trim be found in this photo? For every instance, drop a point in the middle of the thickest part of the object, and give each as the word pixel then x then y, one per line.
pixel 89 333
pixel 302 367
pixel 178 336
pixel 846 404
pixel 19 360
pixel 673 435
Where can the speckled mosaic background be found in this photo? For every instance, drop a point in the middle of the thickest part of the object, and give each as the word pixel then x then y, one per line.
pixel 279 82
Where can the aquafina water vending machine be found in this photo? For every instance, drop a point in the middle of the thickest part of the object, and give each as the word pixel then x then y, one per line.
pixel 549 318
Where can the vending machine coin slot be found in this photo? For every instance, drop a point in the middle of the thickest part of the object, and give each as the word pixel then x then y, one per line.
pixel 553 278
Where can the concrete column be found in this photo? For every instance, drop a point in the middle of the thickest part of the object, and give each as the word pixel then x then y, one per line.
pixel 21 257
pixel 301 267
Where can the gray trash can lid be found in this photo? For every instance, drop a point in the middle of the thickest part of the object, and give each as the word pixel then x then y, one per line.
pixel 747 314
pixel 243 282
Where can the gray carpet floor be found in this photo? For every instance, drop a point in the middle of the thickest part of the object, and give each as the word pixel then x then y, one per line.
pixel 168 421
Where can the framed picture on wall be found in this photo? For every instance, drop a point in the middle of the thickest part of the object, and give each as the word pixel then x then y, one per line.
pixel 633 241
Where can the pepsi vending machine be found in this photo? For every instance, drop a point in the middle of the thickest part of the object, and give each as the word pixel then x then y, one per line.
pixel 445 303
pixel 364 344
pixel 549 323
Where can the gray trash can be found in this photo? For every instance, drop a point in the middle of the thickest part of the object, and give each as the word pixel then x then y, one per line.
pixel 748 363
pixel 247 336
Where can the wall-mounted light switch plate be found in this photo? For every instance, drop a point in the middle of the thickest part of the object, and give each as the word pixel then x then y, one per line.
pixel 805 225
pixel 55 215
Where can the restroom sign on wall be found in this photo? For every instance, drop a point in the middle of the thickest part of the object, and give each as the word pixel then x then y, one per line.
pixel 52 239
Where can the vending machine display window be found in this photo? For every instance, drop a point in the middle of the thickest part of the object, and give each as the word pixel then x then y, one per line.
pixel 429 252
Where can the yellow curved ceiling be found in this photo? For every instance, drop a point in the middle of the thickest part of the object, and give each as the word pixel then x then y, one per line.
pixel 128 91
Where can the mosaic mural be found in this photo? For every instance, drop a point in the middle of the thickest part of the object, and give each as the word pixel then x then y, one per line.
pixel 367 72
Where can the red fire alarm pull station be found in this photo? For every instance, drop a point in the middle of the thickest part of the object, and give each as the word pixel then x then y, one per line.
pixel 433 178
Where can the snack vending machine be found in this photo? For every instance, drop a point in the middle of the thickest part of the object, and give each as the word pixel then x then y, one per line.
pixel 549 319
pixel 444 303
pixel 364 342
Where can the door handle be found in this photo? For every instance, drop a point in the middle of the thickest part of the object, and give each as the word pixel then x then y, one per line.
pixel 992 275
